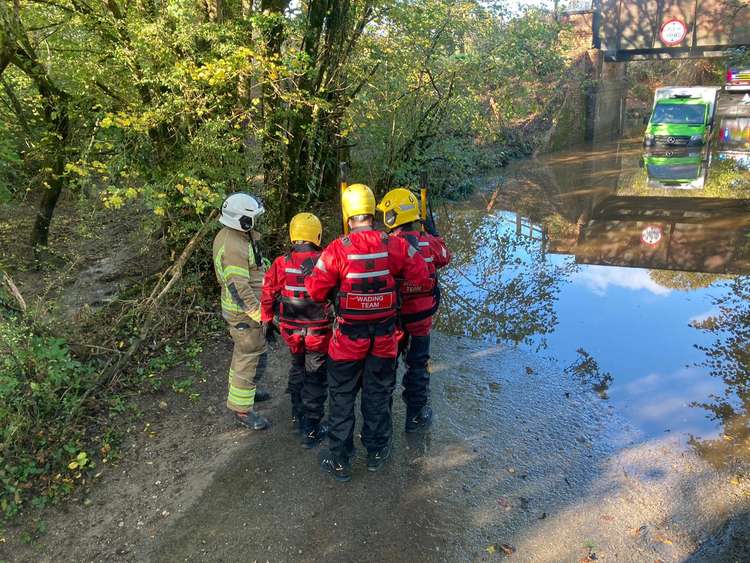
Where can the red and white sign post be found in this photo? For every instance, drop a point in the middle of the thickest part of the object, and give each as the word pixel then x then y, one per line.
pixel 651 235
pixel 673 32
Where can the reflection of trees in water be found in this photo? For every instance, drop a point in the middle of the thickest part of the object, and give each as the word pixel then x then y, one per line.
pixel 728 358
pixel 499 284
pixel 683 281
pixel 586 369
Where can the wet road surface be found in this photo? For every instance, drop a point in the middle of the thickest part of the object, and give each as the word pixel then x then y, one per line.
pixel 521 457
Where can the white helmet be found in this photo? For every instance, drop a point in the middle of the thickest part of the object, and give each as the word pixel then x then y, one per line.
pixel 239 211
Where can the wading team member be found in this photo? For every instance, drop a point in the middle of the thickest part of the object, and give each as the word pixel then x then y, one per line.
pixel 305 324
pixel 359 272
pixel 237 262
pixel 419 303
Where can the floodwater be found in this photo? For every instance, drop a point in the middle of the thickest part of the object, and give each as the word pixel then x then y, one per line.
pixel 637 286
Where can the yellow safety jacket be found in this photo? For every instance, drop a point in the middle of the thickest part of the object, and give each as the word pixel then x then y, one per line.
pixel 239 270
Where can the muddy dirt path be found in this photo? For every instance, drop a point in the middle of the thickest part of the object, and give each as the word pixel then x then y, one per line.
pixel 521 459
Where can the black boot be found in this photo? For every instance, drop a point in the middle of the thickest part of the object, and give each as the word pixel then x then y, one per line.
pixel 339 468
pixel 252 420
pixel 376 460
pixel 262 395
pixel 314 434
pixel 419 421
pixel 298 420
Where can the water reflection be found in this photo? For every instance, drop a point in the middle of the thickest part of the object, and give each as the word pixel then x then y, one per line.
pixel 583 252
pixel 667 233
pixel 499 284
pixel 728 358
pixel 587 370
pixel 683 169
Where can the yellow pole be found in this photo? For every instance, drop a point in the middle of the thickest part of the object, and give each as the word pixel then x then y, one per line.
pixel 344 172
pixel 423 200
pixel 343 217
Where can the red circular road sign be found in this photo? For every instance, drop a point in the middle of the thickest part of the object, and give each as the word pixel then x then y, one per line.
pixel 673 32
pixel 651 235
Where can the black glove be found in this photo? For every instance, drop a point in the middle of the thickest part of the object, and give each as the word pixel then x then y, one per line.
pixel 269 331
pixel 429 225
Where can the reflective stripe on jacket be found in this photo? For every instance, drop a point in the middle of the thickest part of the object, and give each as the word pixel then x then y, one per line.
pixel 284 290
pixel 422 300
pixel 238 267
pixel 362 267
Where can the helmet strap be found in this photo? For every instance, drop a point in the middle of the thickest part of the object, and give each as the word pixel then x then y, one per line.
pixel 246 223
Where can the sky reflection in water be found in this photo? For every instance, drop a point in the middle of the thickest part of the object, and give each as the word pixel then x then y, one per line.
pixel 626 328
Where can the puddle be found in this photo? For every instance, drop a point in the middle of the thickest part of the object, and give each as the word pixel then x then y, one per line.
pixel 635 286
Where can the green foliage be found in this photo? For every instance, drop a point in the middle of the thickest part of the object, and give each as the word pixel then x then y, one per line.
pixel 455 77
pixel 43 391
pixel 739 57
pixel 178 103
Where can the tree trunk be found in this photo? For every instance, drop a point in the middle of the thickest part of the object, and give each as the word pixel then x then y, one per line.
pixel 275 170
pixel 40 232
pixel 56 118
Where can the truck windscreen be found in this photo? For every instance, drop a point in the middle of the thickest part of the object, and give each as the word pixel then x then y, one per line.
pixel 684 114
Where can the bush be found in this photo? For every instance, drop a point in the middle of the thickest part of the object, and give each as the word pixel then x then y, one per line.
pixel 43 391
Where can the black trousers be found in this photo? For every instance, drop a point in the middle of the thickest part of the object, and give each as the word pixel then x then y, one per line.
pixel 416 381
pixel 307 387
pixel 377 379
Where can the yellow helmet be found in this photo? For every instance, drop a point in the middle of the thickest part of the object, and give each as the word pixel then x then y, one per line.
pixel 399 206
pixel 357 199
pixel 307 227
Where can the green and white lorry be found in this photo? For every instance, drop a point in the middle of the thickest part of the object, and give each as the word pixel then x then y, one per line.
pixel 681 117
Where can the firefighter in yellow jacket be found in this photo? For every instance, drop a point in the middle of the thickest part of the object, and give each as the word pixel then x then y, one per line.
pixel 237 262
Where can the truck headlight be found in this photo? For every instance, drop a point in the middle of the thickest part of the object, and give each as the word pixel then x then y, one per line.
pixel 648 139
pixel 696 138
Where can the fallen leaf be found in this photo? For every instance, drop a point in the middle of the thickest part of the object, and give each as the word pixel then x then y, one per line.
pixel 607 518
pixel 661 538
pixel 507 549
pixel 504 502
pixel 491 549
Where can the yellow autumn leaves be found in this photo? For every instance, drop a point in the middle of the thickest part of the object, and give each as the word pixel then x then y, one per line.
pixel 81 461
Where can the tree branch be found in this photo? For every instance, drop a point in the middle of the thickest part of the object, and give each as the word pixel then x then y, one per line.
pixel 16 105
pixel 8 281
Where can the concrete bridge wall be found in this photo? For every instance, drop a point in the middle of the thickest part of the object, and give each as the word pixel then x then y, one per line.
pixel 631 28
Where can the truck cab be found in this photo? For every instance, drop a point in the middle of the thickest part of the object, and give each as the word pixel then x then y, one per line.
pixel 681 117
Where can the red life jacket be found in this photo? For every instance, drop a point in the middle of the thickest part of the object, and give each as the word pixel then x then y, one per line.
pixel 296 308
pixel 419 301
pixel 421 244
pixel 367 292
